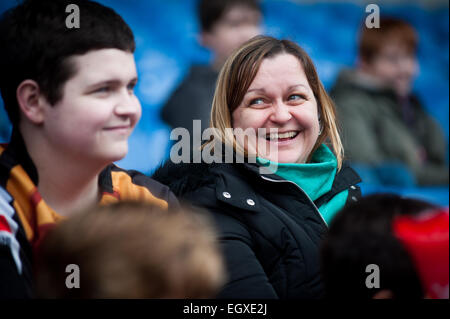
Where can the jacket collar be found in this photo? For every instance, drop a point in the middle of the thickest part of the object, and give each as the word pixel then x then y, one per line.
pixel 315 178
pixel 231 190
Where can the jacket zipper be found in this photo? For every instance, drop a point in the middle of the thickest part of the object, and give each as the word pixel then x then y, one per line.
pixel 309 198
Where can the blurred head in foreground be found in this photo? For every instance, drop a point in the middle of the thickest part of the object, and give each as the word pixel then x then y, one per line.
pixel 131 250
pixel 406 240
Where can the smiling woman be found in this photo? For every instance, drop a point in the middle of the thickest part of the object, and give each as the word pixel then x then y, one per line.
pixel 270 225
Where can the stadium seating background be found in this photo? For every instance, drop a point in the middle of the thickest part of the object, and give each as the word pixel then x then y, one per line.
pixel 167 44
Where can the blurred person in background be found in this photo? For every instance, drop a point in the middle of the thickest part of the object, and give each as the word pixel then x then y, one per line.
pixel 385 129
pixel 225 25
pixel 405 238
pixel 131 250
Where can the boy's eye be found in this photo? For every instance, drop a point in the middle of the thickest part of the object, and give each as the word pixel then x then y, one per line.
pixel 131 86
pixel 103 89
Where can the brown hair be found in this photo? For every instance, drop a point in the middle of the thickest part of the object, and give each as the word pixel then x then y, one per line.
pixel 237 75
pixel 372 40
pixel 211 11
pixel 131 250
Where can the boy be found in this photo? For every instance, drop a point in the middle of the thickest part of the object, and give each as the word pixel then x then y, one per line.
pixel 69 95
pixel 225 25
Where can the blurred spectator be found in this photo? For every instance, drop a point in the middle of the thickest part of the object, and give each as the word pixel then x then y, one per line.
pixel 225 25
pixel 406 239
pixel 384 124
pixel 131 250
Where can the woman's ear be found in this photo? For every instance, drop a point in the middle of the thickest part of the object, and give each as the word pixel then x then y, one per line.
pixel 30 102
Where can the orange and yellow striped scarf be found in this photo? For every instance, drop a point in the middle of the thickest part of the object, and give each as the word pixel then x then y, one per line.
pixel 37 217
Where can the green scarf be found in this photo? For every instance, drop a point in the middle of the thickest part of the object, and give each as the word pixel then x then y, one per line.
pixel 315 178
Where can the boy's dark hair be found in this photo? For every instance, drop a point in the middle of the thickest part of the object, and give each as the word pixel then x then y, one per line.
pixel 360 235
pixel 211 11
pixel 36 44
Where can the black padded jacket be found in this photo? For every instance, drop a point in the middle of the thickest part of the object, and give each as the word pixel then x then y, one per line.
pixel 269 229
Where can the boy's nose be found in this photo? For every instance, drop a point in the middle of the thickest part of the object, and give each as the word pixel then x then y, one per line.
pixel 128 105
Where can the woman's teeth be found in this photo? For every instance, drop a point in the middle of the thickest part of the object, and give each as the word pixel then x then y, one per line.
pixel 279 136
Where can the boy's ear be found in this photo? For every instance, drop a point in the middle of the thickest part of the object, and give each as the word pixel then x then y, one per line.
pixel 29 99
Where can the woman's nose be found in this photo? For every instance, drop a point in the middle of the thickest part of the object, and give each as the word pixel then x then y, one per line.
pixel 281 113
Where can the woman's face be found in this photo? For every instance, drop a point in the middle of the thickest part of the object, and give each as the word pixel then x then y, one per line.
pixel 280 101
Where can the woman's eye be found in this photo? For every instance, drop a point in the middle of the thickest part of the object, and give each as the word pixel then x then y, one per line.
pixel 257 101
pixel 295 97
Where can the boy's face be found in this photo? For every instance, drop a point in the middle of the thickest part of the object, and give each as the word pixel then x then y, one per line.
pixel 237 25
pixel 98 110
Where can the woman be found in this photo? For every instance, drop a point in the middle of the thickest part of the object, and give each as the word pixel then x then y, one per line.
pixel 270 225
